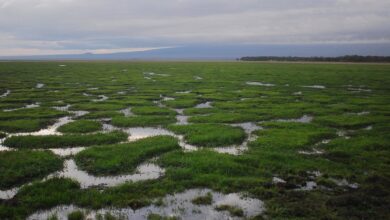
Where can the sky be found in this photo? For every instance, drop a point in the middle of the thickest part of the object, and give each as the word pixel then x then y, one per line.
pixel 38 27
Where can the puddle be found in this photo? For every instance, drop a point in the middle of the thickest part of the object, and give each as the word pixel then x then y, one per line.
pixel 345 183
pixel 101 98
pixel 204 105
pixel 315 87
pixel 86 94
pixel 39 85
pixel 168 99
pixel 62 65
pixel 149 73
pixel 178 204
pixel 297 93
pixel 148 78
pixel 8 194
pixel 121 92
pixel 249 128
pixel 127 112
pixel 64 152
pixel 259 84
pixel 94 88
pixel 137 133
pixel 277 180
pixel 34 105
pixel 310 185
pixel 303 119
pixel 184 92
pixel 144 171
pixel 360 88
pixel 5 94
pixel 182 119
pixel 51 130
pixel 359 113
pixel 315 150
pixel 198 78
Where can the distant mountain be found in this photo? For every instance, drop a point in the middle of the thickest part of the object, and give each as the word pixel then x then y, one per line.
pixel 224 52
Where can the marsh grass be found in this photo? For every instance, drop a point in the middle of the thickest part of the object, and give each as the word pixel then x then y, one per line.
pixel 81 126
pixel 143 121
pixel 362 159
pixel 68 140
pixel 18 167
pixel 24 125
pixel 210 135
pixel 123 158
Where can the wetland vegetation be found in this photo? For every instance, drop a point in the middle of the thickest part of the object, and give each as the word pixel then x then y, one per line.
pixel 316 135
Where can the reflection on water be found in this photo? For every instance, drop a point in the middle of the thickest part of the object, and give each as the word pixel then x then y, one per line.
pixel 178 204
pixel 145 171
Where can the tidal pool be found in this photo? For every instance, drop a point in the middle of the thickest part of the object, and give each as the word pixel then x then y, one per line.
pixel 178 204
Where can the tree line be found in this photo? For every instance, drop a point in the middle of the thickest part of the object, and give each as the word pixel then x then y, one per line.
pixel 348 58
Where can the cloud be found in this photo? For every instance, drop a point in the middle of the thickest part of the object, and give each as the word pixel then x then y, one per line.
pixel 84 25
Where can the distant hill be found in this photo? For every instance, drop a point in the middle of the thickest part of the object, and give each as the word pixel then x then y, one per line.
pixel 348 58
pixel 224 52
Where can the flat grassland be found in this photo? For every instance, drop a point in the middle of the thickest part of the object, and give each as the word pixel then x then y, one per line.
pixel 295 141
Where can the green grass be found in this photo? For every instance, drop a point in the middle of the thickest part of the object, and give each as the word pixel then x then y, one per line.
pixel 234 211
pixel 363 158
pixel 123 158
pixel 210 135
pixel 76 215
pixel 152 110
pixel 19 167
pixel 350 121
pixel 143 121
pixel 24 125
pixel 69 140
pixel 203 200
pixel 81 126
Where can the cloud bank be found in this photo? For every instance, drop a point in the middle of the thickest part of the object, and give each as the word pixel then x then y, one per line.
pixel 77 26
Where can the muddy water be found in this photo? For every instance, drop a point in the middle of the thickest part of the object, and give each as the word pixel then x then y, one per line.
pixel 178 204
pixel 259 84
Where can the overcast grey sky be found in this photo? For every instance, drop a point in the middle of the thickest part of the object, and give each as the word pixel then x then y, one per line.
pixel 76 26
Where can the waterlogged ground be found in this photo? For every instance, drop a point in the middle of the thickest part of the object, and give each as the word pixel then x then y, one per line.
pixel 166 140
